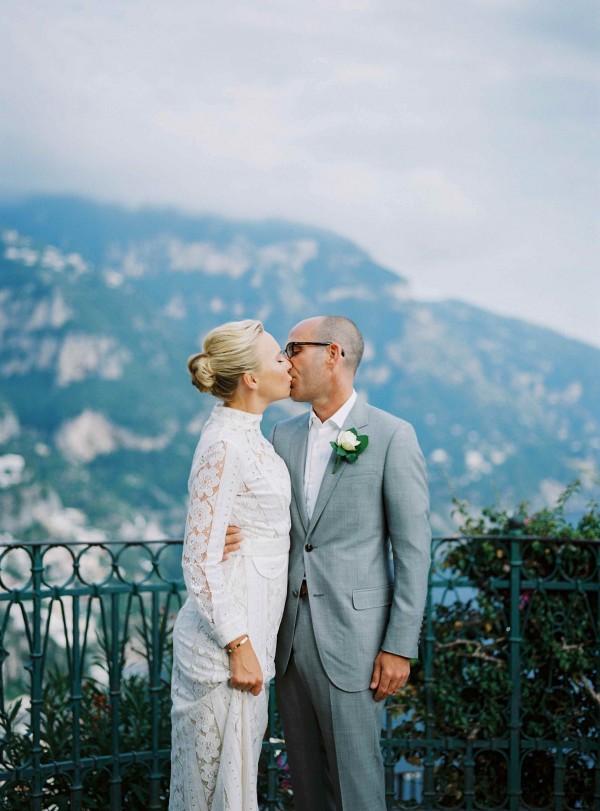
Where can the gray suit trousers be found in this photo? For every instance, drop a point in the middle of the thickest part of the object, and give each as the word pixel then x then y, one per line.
pixel 328 732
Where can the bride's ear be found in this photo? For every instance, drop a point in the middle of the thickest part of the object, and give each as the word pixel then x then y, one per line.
pixel 250 380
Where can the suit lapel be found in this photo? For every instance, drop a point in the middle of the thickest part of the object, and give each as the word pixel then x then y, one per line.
pixel 357 418
pixel 297 458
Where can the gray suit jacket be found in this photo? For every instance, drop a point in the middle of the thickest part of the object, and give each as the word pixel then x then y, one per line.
pixel 359 603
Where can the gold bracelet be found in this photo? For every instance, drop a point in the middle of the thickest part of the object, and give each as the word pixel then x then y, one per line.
pixel 231 648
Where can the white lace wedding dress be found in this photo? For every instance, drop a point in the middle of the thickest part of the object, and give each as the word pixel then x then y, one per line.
pixel 236 478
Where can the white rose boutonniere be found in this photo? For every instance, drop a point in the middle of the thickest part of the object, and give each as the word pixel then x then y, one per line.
pixel 348 446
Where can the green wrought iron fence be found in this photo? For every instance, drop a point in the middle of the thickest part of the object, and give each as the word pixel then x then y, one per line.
pixel 502 710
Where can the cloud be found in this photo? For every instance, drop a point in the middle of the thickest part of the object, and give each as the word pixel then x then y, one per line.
pixel 455 141
pixel 438 193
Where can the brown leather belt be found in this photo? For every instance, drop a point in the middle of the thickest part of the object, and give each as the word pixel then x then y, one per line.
pixel 303 590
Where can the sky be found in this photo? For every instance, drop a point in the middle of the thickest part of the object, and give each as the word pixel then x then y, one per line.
pixel 454 140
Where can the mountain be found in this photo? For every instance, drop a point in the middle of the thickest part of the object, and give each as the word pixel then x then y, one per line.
pixel 101 306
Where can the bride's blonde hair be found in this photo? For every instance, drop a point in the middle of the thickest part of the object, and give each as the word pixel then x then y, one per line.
pixel 228 352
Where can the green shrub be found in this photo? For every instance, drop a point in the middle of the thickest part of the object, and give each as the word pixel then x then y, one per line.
pixel 469 688
pixel 95 731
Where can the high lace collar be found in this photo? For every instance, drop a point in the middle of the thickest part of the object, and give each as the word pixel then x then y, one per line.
pixel 233 416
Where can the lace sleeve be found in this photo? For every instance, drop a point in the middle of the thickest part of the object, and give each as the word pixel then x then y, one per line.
pixel 214 485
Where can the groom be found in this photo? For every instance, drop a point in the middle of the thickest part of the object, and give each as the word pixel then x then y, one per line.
pixel 351 622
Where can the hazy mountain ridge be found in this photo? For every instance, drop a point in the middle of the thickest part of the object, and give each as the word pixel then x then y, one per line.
pixel 100 308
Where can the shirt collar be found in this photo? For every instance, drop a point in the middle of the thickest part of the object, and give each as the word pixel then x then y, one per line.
pixel 339 418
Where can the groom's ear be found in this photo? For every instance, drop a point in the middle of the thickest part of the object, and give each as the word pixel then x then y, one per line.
pixel 335 351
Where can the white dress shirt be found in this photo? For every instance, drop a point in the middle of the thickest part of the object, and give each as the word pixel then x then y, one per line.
pixel 318 449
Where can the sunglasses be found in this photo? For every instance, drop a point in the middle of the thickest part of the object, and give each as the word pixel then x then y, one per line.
pixel 290 349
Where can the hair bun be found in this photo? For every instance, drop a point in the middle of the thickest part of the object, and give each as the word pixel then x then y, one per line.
pixel 228 352
pixel 203 376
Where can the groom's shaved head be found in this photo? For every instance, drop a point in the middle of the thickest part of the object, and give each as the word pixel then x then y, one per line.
pixel 343 331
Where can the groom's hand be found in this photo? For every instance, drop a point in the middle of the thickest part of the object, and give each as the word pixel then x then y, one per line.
pixel 390 674
pixel 233 539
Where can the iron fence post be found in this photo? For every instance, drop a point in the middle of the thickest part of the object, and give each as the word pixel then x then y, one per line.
pixel 37 670
pixel 76 698
pixel 515 640
pixel 559 780
pixel 597 684
pixel 469 764
pixel 114 662
pixel 155 688
pixel 428 680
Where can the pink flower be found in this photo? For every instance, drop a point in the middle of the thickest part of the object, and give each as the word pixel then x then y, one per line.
pixel 524 600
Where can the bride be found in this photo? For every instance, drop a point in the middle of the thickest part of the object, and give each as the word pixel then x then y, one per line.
pixel 225 633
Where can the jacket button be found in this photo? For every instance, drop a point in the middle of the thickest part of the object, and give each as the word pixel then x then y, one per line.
pixel 309 547
pixel 295 593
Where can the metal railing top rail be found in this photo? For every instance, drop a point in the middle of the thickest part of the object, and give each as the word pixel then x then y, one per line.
pixel 175 541
pixel 88 542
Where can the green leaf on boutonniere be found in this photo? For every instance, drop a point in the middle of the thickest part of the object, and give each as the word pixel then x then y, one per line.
pixel 348 446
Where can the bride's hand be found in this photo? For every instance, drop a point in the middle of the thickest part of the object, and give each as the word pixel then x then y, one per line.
pixel 246 672
pixel 233 539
